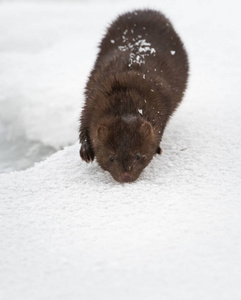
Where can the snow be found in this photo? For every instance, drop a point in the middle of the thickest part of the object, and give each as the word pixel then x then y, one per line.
pixel 67 230
pixel 139 48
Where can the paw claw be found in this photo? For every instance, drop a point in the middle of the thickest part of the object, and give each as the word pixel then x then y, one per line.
pixel 86 153
pixel 159 150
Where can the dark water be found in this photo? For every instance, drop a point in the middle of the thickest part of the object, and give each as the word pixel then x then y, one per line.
pixel 20 154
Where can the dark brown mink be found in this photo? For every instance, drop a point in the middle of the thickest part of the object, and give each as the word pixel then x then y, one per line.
pixel 137 82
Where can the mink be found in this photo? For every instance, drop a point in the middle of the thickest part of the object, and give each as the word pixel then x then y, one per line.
pixel 137 82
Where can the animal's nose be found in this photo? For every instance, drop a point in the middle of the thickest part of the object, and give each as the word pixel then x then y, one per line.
pixel 125 177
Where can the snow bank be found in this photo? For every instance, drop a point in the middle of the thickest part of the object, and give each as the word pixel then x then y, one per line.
pixel 68 231
pixel 43 72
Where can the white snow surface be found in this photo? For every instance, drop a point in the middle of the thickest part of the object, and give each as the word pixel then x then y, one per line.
pixel 67 230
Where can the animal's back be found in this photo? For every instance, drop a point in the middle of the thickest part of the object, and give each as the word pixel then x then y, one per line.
pixel 145 41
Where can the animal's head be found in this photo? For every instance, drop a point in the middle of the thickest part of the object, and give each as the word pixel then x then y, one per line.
pixel 124 146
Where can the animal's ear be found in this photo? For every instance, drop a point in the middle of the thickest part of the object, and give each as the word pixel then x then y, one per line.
pixel 146 129
pixel 102 132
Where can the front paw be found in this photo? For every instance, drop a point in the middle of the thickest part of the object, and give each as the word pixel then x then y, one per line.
pixel 86 152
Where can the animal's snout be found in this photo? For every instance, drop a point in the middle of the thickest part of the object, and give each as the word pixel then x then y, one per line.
pixel 125 177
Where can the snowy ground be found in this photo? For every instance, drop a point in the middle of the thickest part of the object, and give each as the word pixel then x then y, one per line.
pixel 67 230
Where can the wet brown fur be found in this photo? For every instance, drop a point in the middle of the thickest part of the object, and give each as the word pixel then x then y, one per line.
pixel 129 104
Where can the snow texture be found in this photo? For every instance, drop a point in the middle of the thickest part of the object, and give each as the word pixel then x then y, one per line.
pixel 138 50
pixel 67 230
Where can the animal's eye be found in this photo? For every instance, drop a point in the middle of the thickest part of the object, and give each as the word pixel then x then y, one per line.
pixel 138 156
pixel 111 158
